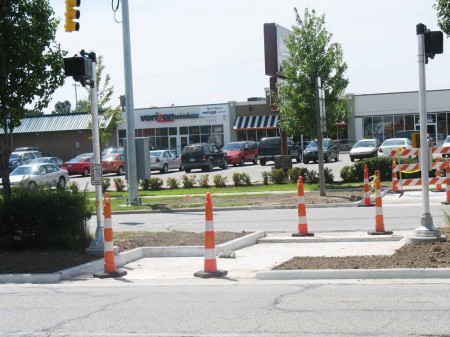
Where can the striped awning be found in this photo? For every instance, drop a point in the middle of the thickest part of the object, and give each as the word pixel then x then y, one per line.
pixel 256 122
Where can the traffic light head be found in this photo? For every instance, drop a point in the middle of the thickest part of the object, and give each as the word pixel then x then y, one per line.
pixel 72 14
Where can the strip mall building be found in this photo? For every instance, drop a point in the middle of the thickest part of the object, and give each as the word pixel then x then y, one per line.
pixel 370 115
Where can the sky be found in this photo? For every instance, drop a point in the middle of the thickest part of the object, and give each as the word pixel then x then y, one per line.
pixel 189 52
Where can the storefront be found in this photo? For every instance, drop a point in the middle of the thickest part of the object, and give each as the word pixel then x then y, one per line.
pixel 175 127
pixel 381 116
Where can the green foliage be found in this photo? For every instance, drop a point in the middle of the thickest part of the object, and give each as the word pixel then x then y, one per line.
pixel 355 172
pixel 296 172
pixel 172 183
pixel 311 177
pixel 31 67
pixel 188 181
pixel 443 14
pixel 203 180
pixel 277 176
pixel 220 181
pixel 312 55
pixel 155 183
pixel 44 218
pixel 241 179
pixel 73 187
pixel 328 175
pixel 106 183
pixel 62 108
pixel 144 184
pixel 348 173
pixel 119 184
pixel 266 177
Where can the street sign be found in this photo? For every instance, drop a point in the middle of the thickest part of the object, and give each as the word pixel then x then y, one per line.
pixel 96 174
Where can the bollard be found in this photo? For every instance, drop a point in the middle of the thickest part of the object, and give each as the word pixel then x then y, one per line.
pixel 110 264
pixel 379 219
pixel 367 201
pixel 210 265
pixel 394 177
pixel 447 185
pixel 301 209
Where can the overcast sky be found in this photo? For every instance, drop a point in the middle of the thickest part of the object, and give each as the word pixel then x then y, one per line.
pixel 188 52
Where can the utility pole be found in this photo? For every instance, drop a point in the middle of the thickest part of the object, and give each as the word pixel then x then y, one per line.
pixel 131 137
pixel 426 231
pixel 76 97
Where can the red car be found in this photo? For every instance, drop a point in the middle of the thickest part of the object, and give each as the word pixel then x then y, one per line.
pixel 78 165
pixel 240 152
pixel 114 163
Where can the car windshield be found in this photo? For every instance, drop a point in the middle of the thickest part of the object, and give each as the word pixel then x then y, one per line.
pixel 39 160
pixel 25 170
pixel 14 156
pixel 365 143
pixel 109 157
pixel 314 144
pixel 232 146
pixel 77 160
pixel 155 153
pixel 393 142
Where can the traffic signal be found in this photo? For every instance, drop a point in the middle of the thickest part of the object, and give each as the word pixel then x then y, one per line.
pixel 72 14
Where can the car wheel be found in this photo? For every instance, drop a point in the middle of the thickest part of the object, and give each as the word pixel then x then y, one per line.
pixel 242 162
pixel 352 159
pixel 31 184
pixel 165 169
pixel 224 164
pixel 210 166
pixel 85 172
pixel 187 170
pixel 255 160
pixel 298 159
pixel 120 171
pixel 181 168
pixel 305 161
pixel 337 157
pixel 326 159
pixel 61 183
pixel 262 162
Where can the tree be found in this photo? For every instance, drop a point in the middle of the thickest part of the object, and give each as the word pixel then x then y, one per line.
pixel 62 108
pixel 81 105
pixel 443 14
pixel 312 55
pixel 104 93
pixel 31 67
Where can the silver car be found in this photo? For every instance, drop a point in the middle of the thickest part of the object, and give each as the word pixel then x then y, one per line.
pixel 164 160
pixel 39 174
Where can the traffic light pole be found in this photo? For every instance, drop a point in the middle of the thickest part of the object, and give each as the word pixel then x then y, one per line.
pixel 426 231
pixel 131 137
pixel 97 245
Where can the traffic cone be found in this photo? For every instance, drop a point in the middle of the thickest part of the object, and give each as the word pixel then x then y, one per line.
pixel 301 208
pixel 367 201
pixel 379 219
pixel 447 185
pixel 394 177
pixel 210 266
pixel 110 263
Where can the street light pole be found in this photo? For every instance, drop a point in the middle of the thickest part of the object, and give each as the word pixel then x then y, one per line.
pixel 426 231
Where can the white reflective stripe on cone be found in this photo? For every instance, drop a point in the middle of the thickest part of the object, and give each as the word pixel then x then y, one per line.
pixel 109 246
pixel 301 199
pixel 209 226
pixel 210 254
pixel 302 219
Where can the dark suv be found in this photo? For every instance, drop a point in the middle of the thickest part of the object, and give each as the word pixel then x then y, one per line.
pixel 270 147
pixel 203 156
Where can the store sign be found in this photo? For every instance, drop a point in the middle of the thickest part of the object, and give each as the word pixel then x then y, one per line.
pixel 213 110
pixel 167 118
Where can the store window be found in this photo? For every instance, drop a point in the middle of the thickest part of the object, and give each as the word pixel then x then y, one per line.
pixel 398 124
pixel 368 129
pixel 378 131
pixel 388 126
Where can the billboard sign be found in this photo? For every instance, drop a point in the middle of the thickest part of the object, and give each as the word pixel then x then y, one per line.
pixel 275 49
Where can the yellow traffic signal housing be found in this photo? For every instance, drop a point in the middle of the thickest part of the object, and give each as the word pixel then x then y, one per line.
pixel 72 14
pixel 415 139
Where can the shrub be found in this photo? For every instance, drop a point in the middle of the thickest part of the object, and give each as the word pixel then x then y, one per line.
pixel 106 183
pixel 73 187
pixel 188 181
pixel 245 179
pixel 348 173
pixel 119 184
pixel 203 180
pixel 328 175
pixel 277 176
pixel 172 183
pixel 266 176
pixel 144 184
pixel 155 183
pixel 220 181
pixel 311 177
pixel 296 172
pixel 44 218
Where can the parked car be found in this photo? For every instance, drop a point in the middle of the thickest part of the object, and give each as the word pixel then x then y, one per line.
pixel 365 148
pixel 114 163
pixel 203 156
pixel 240 152
pixel 88 154
pixel 164 160
pixel 29 148
pixel 446 143
pixel 393 144
pixel 26 156
pixel 15 162
pixel 330 151
pixel 39 174
pixel 78 165
pixel 112 150
pixel 270 147
pixel 49 160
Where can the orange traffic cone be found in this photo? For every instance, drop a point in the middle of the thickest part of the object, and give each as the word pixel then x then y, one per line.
pixel 210 266
pixel 367 201
pixel 301 208
pixel 110 263
pixel 379 219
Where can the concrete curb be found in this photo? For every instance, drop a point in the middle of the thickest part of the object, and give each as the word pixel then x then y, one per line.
pixel 333 274
pixel 130 256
